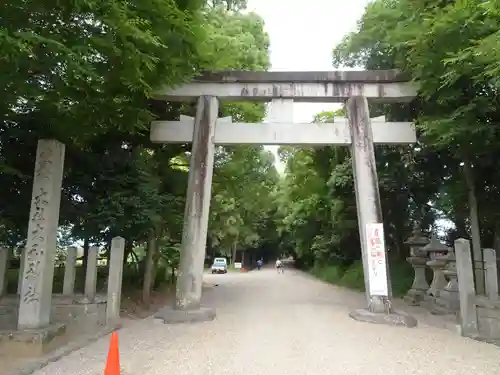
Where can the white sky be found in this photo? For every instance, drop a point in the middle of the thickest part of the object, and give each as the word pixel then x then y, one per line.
pixel 303 34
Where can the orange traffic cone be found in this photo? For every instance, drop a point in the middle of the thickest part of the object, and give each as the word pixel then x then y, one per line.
pixel 113 361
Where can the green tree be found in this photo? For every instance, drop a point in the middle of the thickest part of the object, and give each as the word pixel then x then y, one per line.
pixel 449 49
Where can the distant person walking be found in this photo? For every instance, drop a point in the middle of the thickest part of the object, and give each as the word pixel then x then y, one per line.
pixel 259 264
pixel 279 266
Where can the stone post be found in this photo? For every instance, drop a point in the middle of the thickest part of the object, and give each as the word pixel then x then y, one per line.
pixel 91 274
pixel 38 272
pixel 4 266
pixel 192 258
pixel 418 259
pixel 490 266
pixel 70 271
pixel 115 279
pixel 22 257
pixel 466 289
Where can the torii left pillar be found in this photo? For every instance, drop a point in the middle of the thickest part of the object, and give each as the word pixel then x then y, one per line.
pixel 189 285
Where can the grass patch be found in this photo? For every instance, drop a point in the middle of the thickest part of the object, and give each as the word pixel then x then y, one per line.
pixel 401 277
pixel 352 277
pixel 331 273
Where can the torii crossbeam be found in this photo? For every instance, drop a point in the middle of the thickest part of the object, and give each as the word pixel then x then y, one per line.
pixel 228 132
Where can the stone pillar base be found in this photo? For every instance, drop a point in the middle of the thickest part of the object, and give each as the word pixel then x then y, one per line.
pixel 392 319
pixel 440 310
pixel 446 304
pixel 32 342
pixel 171 315
pixel 449 300
pixel 428 302
pixel 414 297
pixel 435 305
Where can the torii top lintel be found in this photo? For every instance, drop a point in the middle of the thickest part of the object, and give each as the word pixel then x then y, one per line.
pixel 326 86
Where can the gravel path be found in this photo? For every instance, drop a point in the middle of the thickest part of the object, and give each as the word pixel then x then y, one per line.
pixel 283 324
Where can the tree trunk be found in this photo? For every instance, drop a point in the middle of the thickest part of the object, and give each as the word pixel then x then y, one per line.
pixel 148 269
pixel 496 237
pixel 233 260
pixel 173 279
pixel 398 250
pixel 107 255
pixel 156 258
pixel 86 246
pixel 461 227
pixel 129 245
pixel 474 224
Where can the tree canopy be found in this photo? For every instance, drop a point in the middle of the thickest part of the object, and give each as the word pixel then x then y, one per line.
pixel 84 73
pixel 451 49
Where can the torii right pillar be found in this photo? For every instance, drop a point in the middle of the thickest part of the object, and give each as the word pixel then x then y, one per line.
pixel 374 256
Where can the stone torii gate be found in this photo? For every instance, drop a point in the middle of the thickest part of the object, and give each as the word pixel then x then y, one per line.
pixel 358 131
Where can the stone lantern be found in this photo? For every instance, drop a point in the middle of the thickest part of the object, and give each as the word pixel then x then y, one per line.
pixel 418 260
pixel 448 301
pixel 437 252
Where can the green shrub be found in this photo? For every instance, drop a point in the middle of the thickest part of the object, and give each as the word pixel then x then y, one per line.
pixel 401 277
pixel 331 273
pixel 352 277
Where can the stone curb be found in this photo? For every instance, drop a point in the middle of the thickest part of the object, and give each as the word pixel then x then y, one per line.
pixel 64 351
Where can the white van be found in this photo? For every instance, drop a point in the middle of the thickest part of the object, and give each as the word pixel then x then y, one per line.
pixel 219 265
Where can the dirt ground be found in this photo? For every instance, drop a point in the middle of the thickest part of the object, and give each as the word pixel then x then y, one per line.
pixel 132 309
pixel 290 324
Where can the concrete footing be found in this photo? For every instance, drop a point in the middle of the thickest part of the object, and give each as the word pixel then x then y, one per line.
pixel 392 319
pixel 171 315
pixel 32 342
